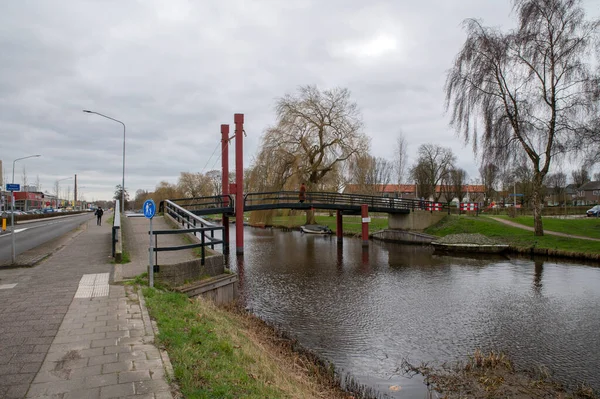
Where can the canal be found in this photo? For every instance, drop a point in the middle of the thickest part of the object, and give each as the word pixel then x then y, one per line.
pixel 367 310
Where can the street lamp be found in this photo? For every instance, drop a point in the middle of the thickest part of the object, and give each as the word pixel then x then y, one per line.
pixel 123 182
pixel 12 200
pixel 58 191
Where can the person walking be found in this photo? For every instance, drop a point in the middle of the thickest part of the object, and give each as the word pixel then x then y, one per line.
pixel 302 194
pixel 99 212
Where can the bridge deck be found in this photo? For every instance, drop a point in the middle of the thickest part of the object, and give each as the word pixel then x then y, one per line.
pixel 349 204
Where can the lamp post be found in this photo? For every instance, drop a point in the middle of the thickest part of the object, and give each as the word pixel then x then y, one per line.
pixel 123 182
pixel 58 191
pixel 12 214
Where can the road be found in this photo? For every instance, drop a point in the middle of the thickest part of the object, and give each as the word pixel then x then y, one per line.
pixel 32 234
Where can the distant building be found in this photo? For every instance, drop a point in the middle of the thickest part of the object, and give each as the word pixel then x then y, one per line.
pixel 473 192
pixel 589 193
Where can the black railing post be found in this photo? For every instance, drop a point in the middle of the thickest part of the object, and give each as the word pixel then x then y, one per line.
pixel 155 251
pixel 203 251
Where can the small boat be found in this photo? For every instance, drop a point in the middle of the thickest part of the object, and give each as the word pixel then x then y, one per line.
pixel 315 229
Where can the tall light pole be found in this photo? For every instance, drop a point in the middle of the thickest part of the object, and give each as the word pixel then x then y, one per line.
pixel 12 214
pixel 123 182
pixel 58 191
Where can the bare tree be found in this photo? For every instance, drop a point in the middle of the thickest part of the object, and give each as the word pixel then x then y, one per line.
pixel 315 131
pixel 401 157
pixel 490 174
pixel 371 175
pixel 556 183
pixel 597 176
pixel 432 166
pixel 580 176
pixel 458 178
pixel 531 89
pixel 214 176
pixel 318 129
pixel 194 185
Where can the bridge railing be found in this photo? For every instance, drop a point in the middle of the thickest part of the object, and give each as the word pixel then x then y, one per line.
pixel 287 197
pixel 198 203
pixel 193 224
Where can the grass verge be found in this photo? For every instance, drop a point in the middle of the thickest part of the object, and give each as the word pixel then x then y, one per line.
pixel 219 353
pixel 586 227
pixel 517 238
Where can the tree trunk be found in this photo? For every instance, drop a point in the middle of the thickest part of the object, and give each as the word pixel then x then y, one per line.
pixel 310 217
pixel 538 202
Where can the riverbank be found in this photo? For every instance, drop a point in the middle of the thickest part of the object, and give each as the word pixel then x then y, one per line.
pixel 493 375
pixel 522 241
pixel 228 353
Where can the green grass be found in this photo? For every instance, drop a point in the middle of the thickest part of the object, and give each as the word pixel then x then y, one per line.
pixel 211 358
pixel 110 220
pixel 510 235
pixel 351 224
pixel 586 227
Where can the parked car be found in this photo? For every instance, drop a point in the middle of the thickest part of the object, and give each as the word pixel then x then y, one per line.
pixel 595 211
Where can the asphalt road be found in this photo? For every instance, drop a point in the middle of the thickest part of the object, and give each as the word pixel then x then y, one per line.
pixel 32 234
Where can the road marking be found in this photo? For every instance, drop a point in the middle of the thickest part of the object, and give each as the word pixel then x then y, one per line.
pixel 7 286
pixel 93 285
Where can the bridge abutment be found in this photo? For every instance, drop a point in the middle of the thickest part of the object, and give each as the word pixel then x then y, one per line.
pixel 416 220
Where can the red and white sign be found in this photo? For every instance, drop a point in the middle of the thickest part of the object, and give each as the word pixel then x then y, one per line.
pixel 469 206
pixel 434 206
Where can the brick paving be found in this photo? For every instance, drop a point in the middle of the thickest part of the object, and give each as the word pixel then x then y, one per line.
pixel 53 345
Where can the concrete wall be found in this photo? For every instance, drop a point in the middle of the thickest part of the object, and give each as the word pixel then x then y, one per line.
pixel 404 236
pixel 181 273
pixel 417 220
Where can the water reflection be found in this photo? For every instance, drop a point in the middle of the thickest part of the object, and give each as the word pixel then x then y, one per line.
pixel 367 309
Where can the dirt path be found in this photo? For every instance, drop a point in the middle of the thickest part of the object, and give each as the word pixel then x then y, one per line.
pixel 552 233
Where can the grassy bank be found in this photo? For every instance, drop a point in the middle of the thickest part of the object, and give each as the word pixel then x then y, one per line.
pixel 518 238
pixel 218 353
pixel 351 224
pixel 586 227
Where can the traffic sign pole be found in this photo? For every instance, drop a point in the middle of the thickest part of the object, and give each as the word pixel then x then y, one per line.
pixel 149 211
pixel 150 260
pixel 12 226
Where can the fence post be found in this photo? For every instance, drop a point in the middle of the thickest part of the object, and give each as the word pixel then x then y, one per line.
pixel 203 255
pixel 364 210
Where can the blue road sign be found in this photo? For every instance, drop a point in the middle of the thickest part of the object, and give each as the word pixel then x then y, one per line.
pixel 149 209
pixel 13 187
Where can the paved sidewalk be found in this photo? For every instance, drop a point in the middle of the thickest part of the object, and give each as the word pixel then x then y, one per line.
pixel 66 333
pixel 137 240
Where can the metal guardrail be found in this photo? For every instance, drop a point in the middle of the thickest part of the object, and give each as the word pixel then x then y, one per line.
pixel 351 200
pixel 201 203
pixel 349 203
pixel 193 224
pixel 116 227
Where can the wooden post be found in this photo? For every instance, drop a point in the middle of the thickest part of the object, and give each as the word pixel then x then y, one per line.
pixel 364 210
pixel 339 230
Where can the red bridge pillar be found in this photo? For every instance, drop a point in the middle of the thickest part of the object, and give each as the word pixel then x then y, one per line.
pixel 339 229
pixel 364 211
pixel 225 182
pixel 239 183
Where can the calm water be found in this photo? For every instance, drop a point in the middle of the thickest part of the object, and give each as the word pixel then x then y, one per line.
pixel 366 310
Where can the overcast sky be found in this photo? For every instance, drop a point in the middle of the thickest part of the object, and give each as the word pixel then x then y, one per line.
pixel 174 70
